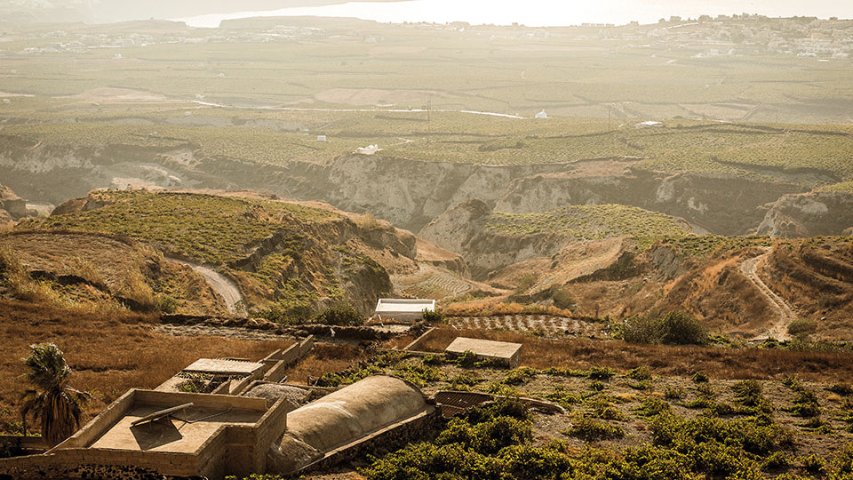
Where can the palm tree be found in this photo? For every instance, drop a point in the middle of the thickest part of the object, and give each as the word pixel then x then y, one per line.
pixel 53 400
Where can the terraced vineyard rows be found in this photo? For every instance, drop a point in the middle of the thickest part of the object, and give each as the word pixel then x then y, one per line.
pixel 547 324
pixel 431 283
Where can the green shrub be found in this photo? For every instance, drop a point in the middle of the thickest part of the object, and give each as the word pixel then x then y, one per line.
pixel 434 359
pixel 682 329
pixel 814 464
pixel 519 376
pixel 699 377
pixel 600 407
pixel 522 462
pixel 640 373
pixel 166 304
pixel 563 397
pixel 802 326
pixel 776 461
pixel 706 390
pixel 590 430
pixel 596 386
pixel 674 328
pixel 673 393
pixel 343 315
pixel 434 317
pixel 843 389
pixel 601 373
pixel 563 298
pixel 651 407
pixel 464 379
pixel 419 374
pixel 468 359
pixel 806 404
pixel 792 382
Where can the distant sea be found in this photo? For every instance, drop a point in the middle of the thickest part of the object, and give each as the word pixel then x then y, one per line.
pixel 545 13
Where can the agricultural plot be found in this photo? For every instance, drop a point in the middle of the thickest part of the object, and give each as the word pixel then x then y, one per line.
pixel 184 224
pixel 537 324
pixel 590 222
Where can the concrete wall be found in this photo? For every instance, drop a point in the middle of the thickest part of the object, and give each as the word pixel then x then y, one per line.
pixel 100 424
pixel 170 399
pixel 97 463
pixel 278 361
pixel 416 343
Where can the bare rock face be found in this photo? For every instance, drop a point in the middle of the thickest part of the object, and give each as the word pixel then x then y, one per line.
pixel 453 229
pixel 461 230
pixel 15 206
pixel 809 214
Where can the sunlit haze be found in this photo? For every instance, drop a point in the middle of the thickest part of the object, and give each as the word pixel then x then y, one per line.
pixel 545 12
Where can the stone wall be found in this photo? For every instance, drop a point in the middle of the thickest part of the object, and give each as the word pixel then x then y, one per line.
pixel 97 463
pixel 278 361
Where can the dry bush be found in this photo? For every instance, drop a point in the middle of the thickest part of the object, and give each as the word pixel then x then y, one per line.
pixel 368 221
pixel 109 354
pixel 138 290
pixel 733 364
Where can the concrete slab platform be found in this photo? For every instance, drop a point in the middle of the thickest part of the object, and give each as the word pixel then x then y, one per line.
pixel 173 434
pixel 217 366
pixel 508 354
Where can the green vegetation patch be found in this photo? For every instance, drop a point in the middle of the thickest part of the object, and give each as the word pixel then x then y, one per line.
pixel 207 228
pixel 590 222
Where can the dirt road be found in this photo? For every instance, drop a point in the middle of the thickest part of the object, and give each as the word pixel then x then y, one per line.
pixel 778 330
pixel 220 284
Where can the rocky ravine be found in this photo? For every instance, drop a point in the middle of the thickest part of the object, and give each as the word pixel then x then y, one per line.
pixel 809 214
pixel 407 193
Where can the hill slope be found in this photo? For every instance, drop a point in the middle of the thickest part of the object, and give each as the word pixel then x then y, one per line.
pixel 284 256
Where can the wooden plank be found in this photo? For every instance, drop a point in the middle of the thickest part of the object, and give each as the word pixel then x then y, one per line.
pixel 153 417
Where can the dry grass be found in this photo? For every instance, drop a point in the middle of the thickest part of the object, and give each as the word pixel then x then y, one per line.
pixel 325 358
pixel 108 353
pixel 729 364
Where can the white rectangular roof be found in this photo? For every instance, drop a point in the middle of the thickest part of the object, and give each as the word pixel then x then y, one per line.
pixel 216 366
pixel 404 305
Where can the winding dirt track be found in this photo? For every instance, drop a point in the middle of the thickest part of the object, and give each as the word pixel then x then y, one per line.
pixel 779 330
pixel 220 284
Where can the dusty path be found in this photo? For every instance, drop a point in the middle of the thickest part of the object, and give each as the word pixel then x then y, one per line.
pixel 220 284
pixel 779 330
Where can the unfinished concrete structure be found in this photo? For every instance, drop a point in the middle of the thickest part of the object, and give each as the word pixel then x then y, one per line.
pixel 148 432
pixel 218 435
pixel 233 377
pixel 504 353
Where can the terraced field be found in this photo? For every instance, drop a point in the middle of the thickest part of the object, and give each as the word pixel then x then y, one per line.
pixel 591 222
pixel 546 324
pixel 431 282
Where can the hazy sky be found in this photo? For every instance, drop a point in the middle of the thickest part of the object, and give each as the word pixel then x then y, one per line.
pixel 551 12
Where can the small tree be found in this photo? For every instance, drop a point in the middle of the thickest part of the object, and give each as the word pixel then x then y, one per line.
pixel 53 401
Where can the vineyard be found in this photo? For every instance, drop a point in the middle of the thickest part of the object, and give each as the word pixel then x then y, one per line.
pixel 206 228
pixel 590 222
pixel 809 155
pixel 543 325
